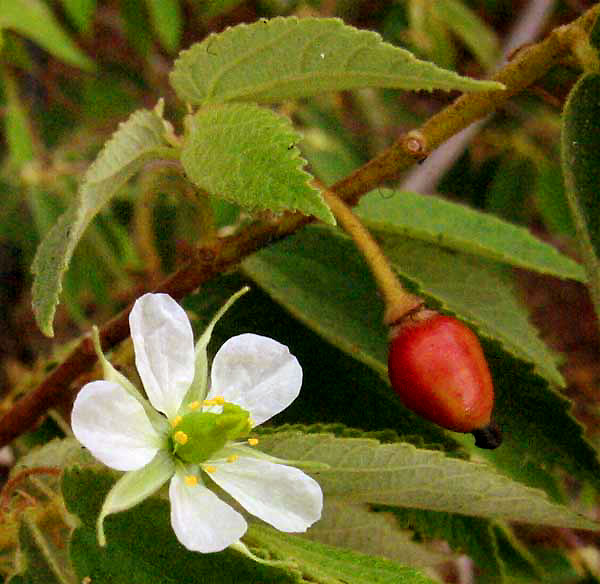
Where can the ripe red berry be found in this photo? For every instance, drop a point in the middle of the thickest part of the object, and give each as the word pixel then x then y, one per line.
pixel 437 367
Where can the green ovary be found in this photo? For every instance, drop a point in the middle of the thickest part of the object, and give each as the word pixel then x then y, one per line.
pixel 200 434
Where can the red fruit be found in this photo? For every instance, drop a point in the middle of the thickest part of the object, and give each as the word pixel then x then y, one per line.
pixel 437 367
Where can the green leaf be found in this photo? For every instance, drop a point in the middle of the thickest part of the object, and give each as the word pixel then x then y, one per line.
pixel 286 58
pixel 540 433
pixel 365 471
pixel 81 13
pixel 140 139
pixel 247 155
pixel 16 124
pixel 374 533
pixel 455 226
pixel 480 38
pixel 329 565
pixel 580 143
pixel 480 292
pixel 166 19
pixel 341 302
pixel 34 20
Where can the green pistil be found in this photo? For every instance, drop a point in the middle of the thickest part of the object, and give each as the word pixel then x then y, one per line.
pixel 200 434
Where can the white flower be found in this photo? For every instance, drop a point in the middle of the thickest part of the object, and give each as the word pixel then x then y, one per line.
pixel 197 435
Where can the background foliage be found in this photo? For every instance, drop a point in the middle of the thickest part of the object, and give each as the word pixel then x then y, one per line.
pixel 502 244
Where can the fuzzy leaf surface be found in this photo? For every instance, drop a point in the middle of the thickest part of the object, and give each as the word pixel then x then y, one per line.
pixel 580 143
pixel 455 226
pixel 365 471
pixel 375 533
pixel 329 565
pixel 289 58
pixel 247 155
pixel 137 141
pixel 35 21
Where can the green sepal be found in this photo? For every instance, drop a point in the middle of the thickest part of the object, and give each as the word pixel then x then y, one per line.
pixel 135 486
pixel 199 387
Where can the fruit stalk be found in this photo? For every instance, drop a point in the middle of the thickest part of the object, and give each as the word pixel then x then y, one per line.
pixel 435 363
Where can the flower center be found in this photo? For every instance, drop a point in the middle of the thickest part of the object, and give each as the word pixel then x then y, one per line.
pixel 198 435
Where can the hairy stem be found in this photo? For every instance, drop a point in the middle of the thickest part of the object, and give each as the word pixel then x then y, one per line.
pixel 398 302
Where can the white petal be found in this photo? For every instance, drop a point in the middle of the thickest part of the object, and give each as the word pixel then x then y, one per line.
pixel 164 350
pixel 281 495
pixel 201 521
pixel 256 373
pixel 113 426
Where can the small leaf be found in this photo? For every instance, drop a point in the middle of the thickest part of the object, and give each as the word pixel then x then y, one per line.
pixel 165 16
pixel 286 58
pixel 480 39
pixel 81 13
pixel 34 20
pixel 247 155
pixel 16 124
pixel 580 143
pixel 455 226
pixel 323 564
pixel 364 471
pixel 138 140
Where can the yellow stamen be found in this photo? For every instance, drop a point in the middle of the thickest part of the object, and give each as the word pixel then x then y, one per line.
pixel 191 480
pixel 194 405
pixel 180 437
pixel 176 421
pixel 232 458
pixel 219 400
pixel 209 468
pixel 253 441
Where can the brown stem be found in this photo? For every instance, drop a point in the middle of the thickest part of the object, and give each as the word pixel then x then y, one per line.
pixel 527 67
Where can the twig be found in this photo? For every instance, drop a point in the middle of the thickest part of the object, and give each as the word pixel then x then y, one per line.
pixel 210 260
pixel 528 26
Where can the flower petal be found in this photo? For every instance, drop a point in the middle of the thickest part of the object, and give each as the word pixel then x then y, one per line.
pixel 201 521
pixel 112 425
pixel 281 495
pixel 135 486
pixel 257 374
pixel 164 350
